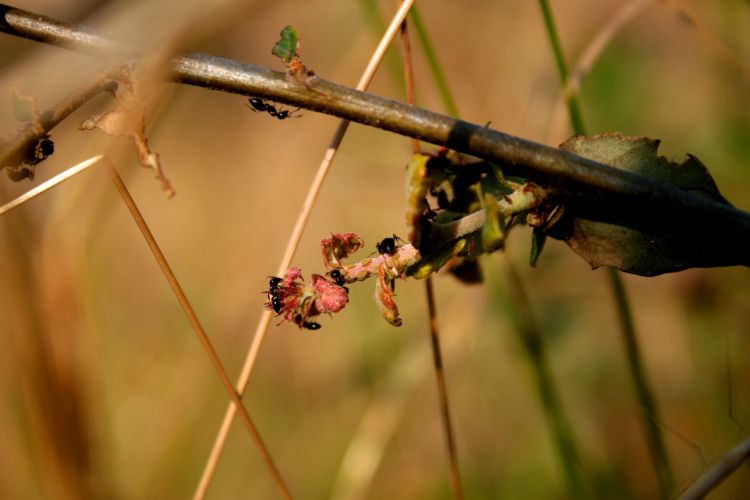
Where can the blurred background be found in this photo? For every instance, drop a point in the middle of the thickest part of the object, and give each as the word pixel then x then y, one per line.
pixel 106 393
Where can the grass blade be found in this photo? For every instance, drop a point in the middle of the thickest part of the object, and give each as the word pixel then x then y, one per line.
pixel 437 357
pixel 531 339
pixel 197 327
pixel 294 239
pixel 574 108
pixel 642 389
pixel 50 183
pixel 438 75
pixel 636 369
pixel 526 326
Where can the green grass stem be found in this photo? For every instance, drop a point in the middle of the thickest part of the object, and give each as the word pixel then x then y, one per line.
pixel 438 75
pixel 525 326
pixel 643 390
pixel 574 107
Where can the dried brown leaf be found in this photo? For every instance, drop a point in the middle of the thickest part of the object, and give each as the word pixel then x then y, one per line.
pixel 128 119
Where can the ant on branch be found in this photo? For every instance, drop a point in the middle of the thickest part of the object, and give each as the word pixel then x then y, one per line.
pixel 258 104
pixel 42 150
pixel 387 246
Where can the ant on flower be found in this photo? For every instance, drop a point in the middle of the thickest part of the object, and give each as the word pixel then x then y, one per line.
pixel 273 294
pixel 339 279
pixel 299 304
pixel 258 104
pixel 309 325
pixel 387 246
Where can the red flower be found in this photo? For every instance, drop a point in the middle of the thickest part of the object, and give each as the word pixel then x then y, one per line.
pixel 329 297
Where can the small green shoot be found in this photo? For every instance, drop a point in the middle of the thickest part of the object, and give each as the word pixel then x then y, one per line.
pixel 287 48
pixel 537 245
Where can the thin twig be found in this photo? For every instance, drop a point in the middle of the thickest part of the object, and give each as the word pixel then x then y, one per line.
pixel 49 184
pixel 197 327
pixel 694 23
pixel 625 13
pixel 643 391
pixel 411 95
pixel 438 75
pixel 719 472
pixel 13 150
pixel 574 108
pixel 378 422
pixel 730 384
pixel 723 226
pixel 437 357
pixel 294 239
pixel 443 393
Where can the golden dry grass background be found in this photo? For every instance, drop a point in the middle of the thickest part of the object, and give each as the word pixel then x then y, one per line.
pixel 105 391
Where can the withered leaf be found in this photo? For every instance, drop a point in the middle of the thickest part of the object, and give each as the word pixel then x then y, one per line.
pixel 627 240
pixel 417 188
pixel 128 119
pixel 32 143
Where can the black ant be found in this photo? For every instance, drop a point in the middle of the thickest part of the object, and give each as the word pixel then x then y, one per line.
pixel 258 104
pixel 337 277
pixel 273 283
pixel 44 148
pixel 276 304
pixel 284 113
pixel 310 325
pixel 273 294
pixel 387 246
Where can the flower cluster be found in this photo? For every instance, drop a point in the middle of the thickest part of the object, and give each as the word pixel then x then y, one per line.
pixel 289 298
pixel 300 304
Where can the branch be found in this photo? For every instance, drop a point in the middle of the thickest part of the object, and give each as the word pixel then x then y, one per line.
pixel 719 472
pixel 15 151
pixel 562 173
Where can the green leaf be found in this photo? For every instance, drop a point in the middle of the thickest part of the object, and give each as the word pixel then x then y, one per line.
pixel 629 240
pixel 493 231
pixel 495 183
pixel 287 48
pixel 537 245
pixel 446 216
pixel 432 263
